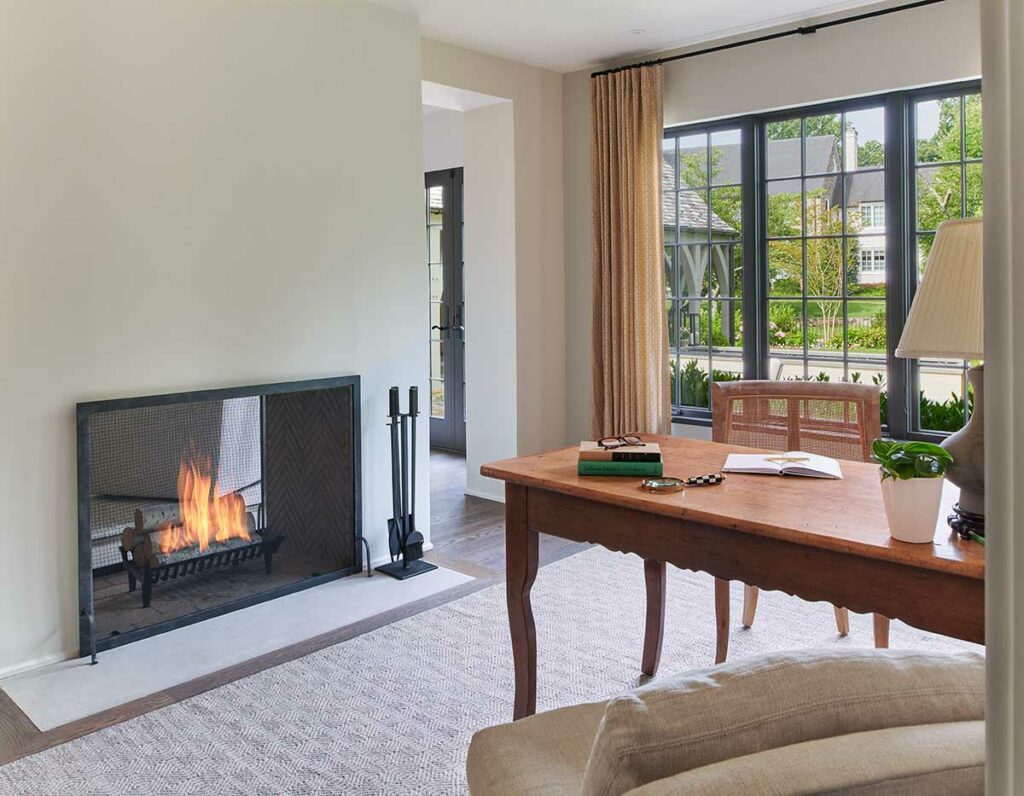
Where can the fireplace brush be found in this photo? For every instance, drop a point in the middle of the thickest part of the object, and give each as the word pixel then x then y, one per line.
pixel 405 543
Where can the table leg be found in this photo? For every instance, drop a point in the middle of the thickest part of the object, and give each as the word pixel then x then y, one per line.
pixel 721 620
pixel 881 624
pixel 521 549
pixel 654 627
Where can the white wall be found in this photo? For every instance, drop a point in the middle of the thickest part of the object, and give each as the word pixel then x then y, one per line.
pixel 443 135
pixel 933 44
pixel 1003 31
pixel 195 194
pixel 536 96
pixel 490 283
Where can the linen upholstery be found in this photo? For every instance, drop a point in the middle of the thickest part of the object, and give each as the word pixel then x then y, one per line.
pixel 945 759
pixel 742 708
pixel 630 391
pixel 543 754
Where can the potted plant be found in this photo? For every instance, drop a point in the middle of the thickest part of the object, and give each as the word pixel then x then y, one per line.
pixel 912 477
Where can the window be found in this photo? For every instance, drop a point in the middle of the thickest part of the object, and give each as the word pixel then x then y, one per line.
pixel 819 172
pixel 702 209
pixel 947 183
pixel 787 252
pixel 872 214
pixel 872 264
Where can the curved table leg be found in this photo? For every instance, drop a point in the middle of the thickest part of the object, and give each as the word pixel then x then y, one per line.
pixel 521 550
pixel 750 594
pixel 881 624
pixel 654 626
pixel 721 620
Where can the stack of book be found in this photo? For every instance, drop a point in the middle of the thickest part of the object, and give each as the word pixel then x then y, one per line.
pixel 631 460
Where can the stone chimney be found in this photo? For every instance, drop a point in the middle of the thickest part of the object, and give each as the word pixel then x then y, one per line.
pixel 850 147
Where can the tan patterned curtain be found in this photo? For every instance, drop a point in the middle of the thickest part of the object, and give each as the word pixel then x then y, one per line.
pixel 630 345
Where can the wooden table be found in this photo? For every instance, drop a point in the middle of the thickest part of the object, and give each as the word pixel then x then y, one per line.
pixel 813 538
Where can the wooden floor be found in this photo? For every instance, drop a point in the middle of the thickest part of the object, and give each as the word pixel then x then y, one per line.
pixel 467 534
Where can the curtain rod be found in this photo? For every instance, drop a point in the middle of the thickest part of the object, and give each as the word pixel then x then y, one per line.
pixel 803 31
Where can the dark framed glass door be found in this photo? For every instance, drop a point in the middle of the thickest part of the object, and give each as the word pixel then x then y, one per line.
pixel 447 309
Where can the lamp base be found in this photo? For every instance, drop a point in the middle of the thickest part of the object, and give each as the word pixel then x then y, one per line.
pixel 967 471
pixel 966 523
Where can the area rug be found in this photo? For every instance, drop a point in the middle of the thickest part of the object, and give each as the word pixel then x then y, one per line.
pixel 393 711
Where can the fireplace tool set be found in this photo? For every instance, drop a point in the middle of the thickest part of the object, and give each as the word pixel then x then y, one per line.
pixel 404 541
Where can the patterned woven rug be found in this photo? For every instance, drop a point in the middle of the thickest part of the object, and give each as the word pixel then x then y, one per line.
pixel 392 711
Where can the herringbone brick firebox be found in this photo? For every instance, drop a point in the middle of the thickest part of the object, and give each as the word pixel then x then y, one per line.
pixel 194 504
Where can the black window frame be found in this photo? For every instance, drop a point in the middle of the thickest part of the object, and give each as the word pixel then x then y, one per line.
pixel 900 233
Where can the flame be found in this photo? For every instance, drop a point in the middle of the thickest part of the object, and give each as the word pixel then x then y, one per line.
pixel 206 514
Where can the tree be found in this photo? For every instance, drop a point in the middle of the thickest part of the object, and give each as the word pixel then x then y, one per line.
pixel 815 125
pixel 939 190
pixel 870 154
pixel 826 268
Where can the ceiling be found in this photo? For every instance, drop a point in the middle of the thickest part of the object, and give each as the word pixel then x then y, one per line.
pixel 566 35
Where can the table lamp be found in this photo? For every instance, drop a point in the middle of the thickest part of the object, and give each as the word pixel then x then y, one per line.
pixel 946 320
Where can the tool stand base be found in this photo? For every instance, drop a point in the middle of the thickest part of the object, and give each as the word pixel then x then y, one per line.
pixel 397 570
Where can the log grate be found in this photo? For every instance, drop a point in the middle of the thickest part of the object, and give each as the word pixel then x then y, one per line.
pixel 145 573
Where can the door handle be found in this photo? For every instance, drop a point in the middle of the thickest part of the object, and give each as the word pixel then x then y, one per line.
pixel 444 327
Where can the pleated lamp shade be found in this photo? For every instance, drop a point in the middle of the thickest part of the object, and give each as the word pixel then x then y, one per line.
pixel 946 318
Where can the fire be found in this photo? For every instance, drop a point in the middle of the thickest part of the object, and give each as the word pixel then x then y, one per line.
pixel 206 514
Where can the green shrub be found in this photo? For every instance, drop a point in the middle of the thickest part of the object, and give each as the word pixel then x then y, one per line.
pixel 944 416
pixel 692 387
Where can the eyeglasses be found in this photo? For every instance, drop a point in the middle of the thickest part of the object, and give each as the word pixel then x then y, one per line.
pixel 611 443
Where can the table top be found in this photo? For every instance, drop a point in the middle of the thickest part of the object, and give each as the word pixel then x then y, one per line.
pixel 845 515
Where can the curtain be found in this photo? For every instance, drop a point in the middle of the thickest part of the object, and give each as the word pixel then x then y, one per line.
pixel 630 390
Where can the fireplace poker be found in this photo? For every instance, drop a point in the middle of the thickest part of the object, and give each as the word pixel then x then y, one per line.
pixel 403 523
pixel 413 547
pixel 394 530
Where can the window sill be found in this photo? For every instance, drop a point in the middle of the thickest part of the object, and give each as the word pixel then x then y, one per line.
pixel 692 420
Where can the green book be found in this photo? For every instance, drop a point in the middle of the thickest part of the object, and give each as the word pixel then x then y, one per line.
pixel 636 469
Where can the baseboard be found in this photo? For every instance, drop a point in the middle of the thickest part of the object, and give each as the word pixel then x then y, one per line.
pixel 485 495
pixel 37 663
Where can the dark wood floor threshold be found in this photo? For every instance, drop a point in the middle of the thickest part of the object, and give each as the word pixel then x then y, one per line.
pixel 468 536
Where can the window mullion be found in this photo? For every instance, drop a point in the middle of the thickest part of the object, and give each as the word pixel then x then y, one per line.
pixel 755 263
pixel 900 242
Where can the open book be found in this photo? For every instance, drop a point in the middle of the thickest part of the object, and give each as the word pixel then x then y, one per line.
pixel 790 463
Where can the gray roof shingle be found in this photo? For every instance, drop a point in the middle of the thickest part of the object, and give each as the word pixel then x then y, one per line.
pixel 693 212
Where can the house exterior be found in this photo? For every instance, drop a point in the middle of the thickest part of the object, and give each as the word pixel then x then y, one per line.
pixel 865 205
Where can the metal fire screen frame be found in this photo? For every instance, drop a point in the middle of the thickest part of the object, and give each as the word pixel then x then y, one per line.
pixel 89 644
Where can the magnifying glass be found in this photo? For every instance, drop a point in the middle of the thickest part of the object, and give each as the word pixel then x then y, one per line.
pixel 667 485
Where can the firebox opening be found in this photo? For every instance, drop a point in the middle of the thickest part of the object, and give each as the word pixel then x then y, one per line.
pixel 195 504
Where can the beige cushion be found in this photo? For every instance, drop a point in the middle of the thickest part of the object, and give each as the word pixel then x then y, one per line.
pixel 934 759
pixel 542 754
pixel 741 708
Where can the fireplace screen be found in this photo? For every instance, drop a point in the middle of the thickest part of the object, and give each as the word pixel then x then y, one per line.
pixel 191 505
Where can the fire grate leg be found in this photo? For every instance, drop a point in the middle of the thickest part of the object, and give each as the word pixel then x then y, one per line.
pixel 147 587
pixel 366 545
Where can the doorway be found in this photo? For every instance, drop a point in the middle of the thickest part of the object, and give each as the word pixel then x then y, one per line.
pixel 447 309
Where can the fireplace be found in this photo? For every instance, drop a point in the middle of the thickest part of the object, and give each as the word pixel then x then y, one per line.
pixel 194 504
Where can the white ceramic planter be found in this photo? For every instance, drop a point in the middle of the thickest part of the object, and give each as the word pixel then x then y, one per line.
pixel 912 507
